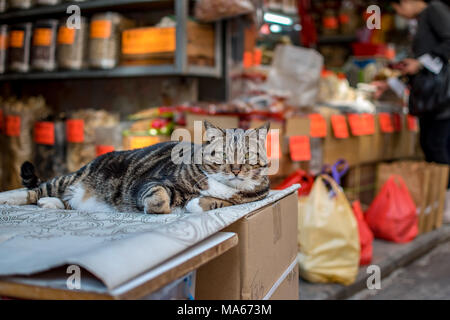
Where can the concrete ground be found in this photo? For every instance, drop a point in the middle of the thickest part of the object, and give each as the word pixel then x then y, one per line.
pixel 424 262
pixel 426 278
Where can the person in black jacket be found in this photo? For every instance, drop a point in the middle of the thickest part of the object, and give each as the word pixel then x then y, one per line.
pixel 431 50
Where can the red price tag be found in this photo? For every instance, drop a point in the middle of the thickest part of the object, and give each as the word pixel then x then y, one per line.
pixel 1 121
pixel 300 148
pixel 356 124
pixel 386 122
pixel 273 145
pixel 103 149
pixel 397 122
pixel 75 130
pixel 12 126
pixel 318 126
pixel 339 124
pixel 44 133
pixel 368 123
pixel 412 123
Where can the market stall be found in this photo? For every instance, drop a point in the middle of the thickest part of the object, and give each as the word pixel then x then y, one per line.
pixel 82 80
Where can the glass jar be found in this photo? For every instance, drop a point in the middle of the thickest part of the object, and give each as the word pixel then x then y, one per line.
pixel 19 47
pixel 3 47
pixel 72 46
pixel 43 49
pixel 21 4
pixel 3 5
pixel 104 39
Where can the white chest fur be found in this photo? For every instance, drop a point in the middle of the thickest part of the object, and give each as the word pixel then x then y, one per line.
pixel 79 201
pixel 218 190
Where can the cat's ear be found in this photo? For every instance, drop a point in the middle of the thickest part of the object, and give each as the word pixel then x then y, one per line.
pixel 265 127
pixel 208 125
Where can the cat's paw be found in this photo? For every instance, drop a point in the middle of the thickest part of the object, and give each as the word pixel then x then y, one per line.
pixel 194 206
pixel 202 204
pixel 50 203
pixel 17 197
pixel 157 201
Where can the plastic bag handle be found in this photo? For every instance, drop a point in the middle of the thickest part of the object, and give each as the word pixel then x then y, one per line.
pixel 337 190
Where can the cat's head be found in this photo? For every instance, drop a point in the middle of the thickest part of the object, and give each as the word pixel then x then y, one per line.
pixel 236 157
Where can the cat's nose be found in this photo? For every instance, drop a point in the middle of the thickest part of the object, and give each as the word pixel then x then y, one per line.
pixel 236 170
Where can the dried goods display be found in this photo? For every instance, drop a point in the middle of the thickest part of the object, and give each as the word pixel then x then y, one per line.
pixel 81 135
pixel 20 117
pixel 212 10
pixel 72 46
pixel 105 39
pixel 3 47
pixel 43 50
pixel 19 47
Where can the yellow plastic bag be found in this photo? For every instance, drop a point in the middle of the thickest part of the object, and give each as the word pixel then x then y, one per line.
pixel 328 236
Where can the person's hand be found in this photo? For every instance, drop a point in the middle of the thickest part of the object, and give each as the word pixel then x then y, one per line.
pixel 410 66
pixel 381 86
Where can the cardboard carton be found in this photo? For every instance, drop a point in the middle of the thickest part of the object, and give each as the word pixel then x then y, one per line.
pixel 263 265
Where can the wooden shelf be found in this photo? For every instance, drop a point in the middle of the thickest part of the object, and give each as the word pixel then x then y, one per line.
pixel 180 67
pixel 337 39
pixel 60 9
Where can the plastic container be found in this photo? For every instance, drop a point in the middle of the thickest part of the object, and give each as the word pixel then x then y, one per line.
pixel 21 4
pixel 3 47
pixel 19 47
pixel 50 148
pixel 3 5
pixel 43 49
pixel 72 46
pixel 105 39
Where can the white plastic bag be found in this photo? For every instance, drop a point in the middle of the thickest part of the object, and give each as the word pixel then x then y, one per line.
pixel 296 70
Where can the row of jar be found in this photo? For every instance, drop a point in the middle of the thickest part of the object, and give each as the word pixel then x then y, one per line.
pixel 68 44
pixel 27 4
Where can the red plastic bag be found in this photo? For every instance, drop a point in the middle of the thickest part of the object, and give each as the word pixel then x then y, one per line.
pixel 392 214
pixel 365 235
pixel 301 177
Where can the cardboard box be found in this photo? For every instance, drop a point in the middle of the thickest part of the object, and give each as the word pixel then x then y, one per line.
pixel 263 265
pixel 153 45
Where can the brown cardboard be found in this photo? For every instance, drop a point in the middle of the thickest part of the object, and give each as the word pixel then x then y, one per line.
pixel 267 247
pixel 288 289
pixel 297 126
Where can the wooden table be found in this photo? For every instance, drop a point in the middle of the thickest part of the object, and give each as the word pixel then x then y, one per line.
pixel 52 284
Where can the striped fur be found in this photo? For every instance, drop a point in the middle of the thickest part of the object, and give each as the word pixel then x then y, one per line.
pixel 147 180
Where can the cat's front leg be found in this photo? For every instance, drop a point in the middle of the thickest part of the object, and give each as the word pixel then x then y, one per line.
pixel 202 204
pixel 156 199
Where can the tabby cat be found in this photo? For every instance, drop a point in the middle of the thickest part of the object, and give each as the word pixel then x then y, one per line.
pixel 148 180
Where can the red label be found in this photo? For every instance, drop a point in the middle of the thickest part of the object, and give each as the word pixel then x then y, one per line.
pixel 344 18
pixel 330 22
pixel 318 126
pixel 1 121
pixel 368 121
pixel 339 124
pixel 397 122
pixel 273 145
pixel 300 148
pixel 356 124
pixel 386 125
pixel 103 149
pixel 12 126
pixel 412 123
pixel 75 130
pixel 248 59
pixel 44 133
